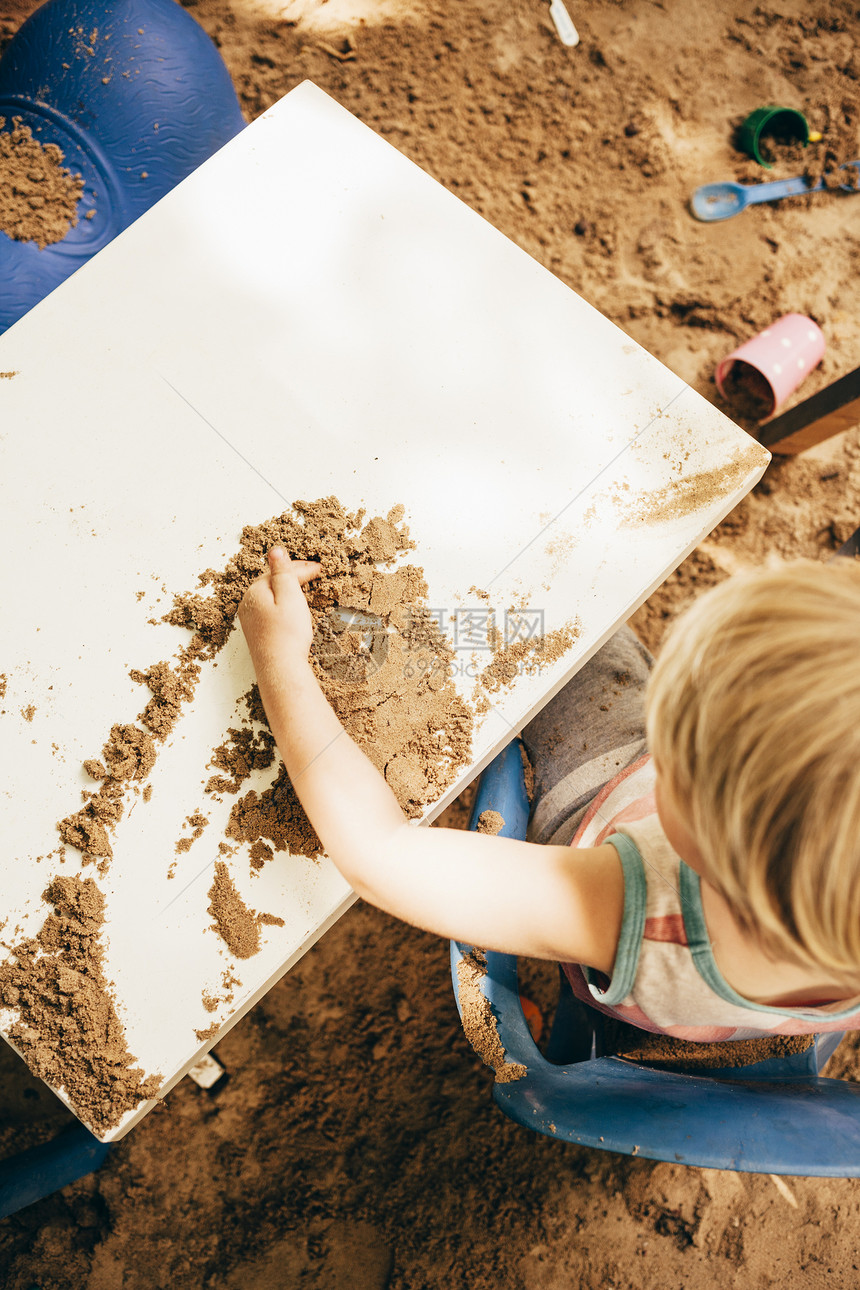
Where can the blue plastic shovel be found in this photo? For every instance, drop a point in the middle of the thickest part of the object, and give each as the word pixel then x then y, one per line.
pixel 720 201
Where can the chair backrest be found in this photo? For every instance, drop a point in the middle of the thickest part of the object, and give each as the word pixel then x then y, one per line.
pixel 777 1116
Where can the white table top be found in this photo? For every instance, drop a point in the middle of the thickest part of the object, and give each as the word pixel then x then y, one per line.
pixel 308 313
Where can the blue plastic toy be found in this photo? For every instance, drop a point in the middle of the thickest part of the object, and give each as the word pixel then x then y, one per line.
pixel 777 1116
pixel 135 95
pixel 722 200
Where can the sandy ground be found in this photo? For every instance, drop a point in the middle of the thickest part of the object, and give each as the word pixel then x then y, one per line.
pixel 353 1143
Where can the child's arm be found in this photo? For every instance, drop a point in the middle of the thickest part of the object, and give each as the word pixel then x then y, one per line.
pixel 544 901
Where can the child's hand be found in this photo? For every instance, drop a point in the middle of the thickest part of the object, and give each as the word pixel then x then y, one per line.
pixel 274 613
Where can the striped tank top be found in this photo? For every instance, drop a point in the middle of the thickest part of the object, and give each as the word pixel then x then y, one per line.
pixel 665 978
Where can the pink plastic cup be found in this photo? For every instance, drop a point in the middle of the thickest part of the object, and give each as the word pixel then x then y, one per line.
pixel 783 354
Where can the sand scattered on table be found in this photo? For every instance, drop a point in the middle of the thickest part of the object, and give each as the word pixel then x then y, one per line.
pixel 273 820
pixel 129 754
pixel 196 822
pixel 171 687
pixel 243 751
pixel 68 1029
pixel 208 1032
pixel 127 758
pixel 685 496
pixel 379 656
pixel 38 195
pixel 238 926
pixel 526 657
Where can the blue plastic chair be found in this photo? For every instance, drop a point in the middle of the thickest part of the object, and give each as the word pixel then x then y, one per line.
pixel 135 95
pixel 777 1116
pixel 32 1175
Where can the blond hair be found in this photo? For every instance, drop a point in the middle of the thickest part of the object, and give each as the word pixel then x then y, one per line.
pixel 754 724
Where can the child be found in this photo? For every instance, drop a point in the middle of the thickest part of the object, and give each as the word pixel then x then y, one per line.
pixel 712 890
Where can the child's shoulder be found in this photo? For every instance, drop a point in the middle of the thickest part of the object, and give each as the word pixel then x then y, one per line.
pixel 627 798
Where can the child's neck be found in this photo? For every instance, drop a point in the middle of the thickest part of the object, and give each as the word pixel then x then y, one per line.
pixel 742 963
pixel 754 975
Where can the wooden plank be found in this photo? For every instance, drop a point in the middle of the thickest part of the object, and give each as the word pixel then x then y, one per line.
pixel 824 414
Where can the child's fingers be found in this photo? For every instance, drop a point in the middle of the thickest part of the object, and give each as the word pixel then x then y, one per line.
pixel 302 570
pixel 309 570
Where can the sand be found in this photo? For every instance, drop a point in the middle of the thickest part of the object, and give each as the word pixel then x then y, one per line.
pixel 479 1023
pixel 525 657
pixel 127 756
pixel 353 1142
pixel 39 195
pixel 238 925
pixel 70 1032
pixel 491 822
